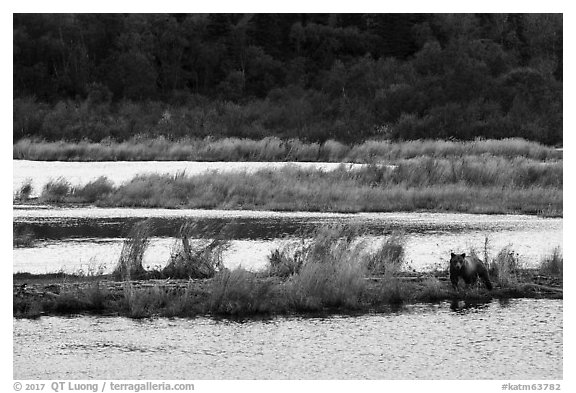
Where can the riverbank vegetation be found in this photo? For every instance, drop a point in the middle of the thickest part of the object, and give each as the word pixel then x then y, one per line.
pixel 274 149
pixel 333 272
pixel 315 77
pixel 473 184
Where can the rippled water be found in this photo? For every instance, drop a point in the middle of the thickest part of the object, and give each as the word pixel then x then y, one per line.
pixel 79 173
pixel 89 238
pixel 520 339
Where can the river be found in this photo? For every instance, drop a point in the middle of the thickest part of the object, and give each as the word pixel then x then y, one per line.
pixel 519 339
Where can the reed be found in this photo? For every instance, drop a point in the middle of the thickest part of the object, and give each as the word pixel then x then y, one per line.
pixel 56 191
pixel 239 292
pixel 505 267
pixel 410 187
pixel 202 261
pixel 129 265
pixel 23 193
pixel 553 264
pixel 94 191
pixel 274 149
pixel 389 257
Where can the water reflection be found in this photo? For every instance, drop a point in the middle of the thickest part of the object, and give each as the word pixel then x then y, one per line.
pixel 464 306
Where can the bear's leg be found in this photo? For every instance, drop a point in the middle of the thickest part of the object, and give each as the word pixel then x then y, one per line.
pixel 454 277
pixel 470 280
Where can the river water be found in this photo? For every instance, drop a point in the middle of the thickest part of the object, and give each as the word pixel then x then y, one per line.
pixel 91 238
pixel 519 339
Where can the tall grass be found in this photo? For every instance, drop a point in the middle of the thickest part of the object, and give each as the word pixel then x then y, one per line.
pixel 389 258
pixel 274 149
pixel 464 184
pixel 329 270
pixel 94 190
pixel 129 265
pixel 23 193
pixel 334 276
pixel 505 267
pixel 286 260
pixel 239 292
pixel 553 264
pixel 56 191
pixel 202 261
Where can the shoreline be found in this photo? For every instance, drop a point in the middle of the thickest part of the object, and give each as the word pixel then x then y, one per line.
pixel 67 295
pixel 467 184
pixel 264 211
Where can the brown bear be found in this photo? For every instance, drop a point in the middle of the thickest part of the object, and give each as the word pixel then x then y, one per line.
pixel 469 268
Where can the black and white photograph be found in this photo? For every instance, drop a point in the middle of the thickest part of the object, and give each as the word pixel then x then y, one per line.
pixel 211 196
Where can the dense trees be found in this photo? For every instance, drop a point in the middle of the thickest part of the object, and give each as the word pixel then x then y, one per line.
pixel 313 76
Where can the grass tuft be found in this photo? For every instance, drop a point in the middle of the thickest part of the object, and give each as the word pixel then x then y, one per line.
pixel 239 292
pixel 505 267
pixel 56 191
pixel 202 261
pixel 129 265
pixel 389 257
pixel 95 190
pixel 24 192
pixel 553 264
pixel 285 261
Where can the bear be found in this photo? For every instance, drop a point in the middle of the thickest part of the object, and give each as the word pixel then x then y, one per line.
pixel 469 268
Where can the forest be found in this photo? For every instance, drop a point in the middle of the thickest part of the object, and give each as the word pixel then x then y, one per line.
pixel 313 77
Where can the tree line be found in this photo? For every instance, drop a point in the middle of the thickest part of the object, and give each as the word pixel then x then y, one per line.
pixel 348 77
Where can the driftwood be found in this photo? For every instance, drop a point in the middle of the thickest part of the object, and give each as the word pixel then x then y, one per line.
pixel 544 288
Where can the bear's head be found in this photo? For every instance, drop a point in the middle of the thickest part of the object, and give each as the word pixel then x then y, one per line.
pixel 457 260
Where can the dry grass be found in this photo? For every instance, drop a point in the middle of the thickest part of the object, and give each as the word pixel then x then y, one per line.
pixel 129 265
pixel 202 261
pixel 505 267
pixel 274 149
pixel 24 192
pixel 239 292
pixel 464 184
pixel 56 191
pixel 286 260
pixel 389 258
pixel 330 269
pixel 553 264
